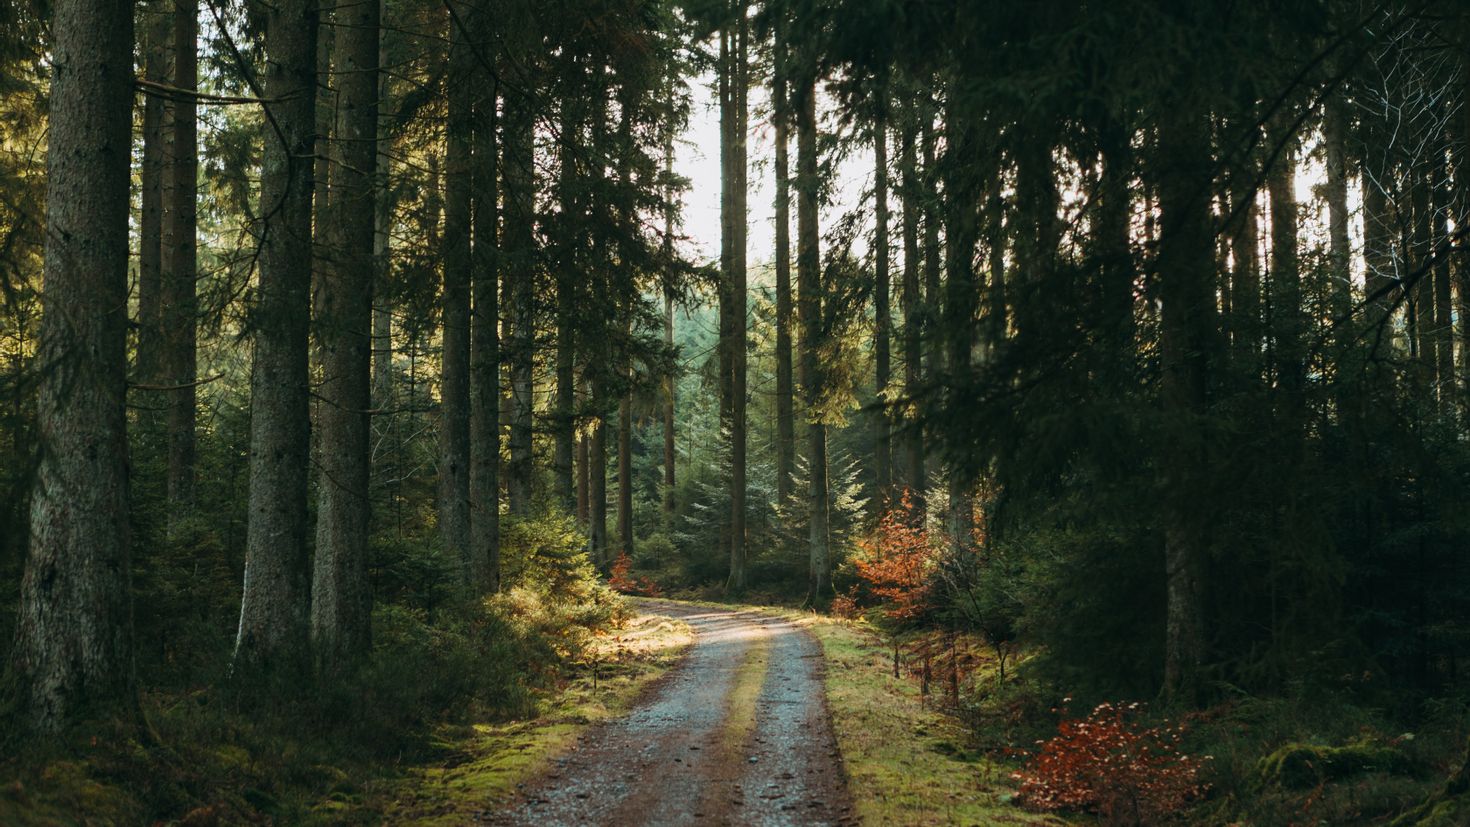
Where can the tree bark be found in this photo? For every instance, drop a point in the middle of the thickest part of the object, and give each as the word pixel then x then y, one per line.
pixel 74 646
pixel 1245 322
pixel 341 601
pixel 785 397
pixel 157 36
pixel 809 284
pixel 1442 333
pixel 669 497
pixel 484 567
pixel 1288 321
pixel 597 477
pixel 454 389
pixel 180 303
pixel 568 275
pixel 273 608
pixel 738 308
pixel 1186 292
pixel 962 199
pixel 883 323
pixel 519 265
pixel 912 300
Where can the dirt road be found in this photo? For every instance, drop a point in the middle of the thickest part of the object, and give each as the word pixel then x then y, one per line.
pixel 737 733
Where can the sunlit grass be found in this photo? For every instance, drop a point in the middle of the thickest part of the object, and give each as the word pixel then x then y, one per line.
pixel 901 758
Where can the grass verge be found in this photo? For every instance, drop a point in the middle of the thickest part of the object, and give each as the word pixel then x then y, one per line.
pixel 484 764
pixel 905 762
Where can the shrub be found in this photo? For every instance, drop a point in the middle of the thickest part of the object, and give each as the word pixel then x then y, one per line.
pixel 895 562
pixel 1111 765
pixel 623 580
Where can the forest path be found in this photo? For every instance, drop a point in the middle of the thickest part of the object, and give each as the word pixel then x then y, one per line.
pixel 737 733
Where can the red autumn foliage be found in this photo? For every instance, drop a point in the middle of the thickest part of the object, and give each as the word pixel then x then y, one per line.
pixel 1110 765
pixel 622 579
pixel 894 561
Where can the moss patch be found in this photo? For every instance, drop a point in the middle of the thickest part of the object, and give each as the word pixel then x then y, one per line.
pixel 1297 766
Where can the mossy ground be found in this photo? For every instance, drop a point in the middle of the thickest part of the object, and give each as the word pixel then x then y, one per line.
pixel 484 763
pixel 905 761
pixel 213 764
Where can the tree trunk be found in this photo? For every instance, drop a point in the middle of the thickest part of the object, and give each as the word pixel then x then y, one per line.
pixel 74 646
pixel 568 275
pixel 738 310
pixel 180 299
pixel 785 415
pixel 913 302
pixel 454 389
pixel 1113 246
pixel 273 608
pixel 1443 331
pixel 1421 293
pixel 597 476
pixel 933 288
pixel 341 601
pixel 156 36
pixel 1185 267
pixel 962 200
pixel 484 566
pixel 809 284
pixel 584 480
pixel 1245 274
pixel 1288 322
pixel 1340 251
pixel 883 324
pixel 519 272
pixel 669 502
pixel 625 474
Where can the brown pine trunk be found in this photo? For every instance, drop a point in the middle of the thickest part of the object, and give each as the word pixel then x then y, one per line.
pixel 669 502
pixel 341 601
pixel 180 303
pixel 156 36
pixel 1442 333
pixel 1288 321
pixel 583 480
pixel 883 324
pixel 273 609
pixel 1185 267
pixel 738 309
pixel 912 301
pixel 1113 245
pixel 568 274
pixel 785 396
pixel 74 645
pixel 1245 274
pixel 454 388
pixel 597 477
pixel 933 288
pixel 484 330
pixel 809 284
pixel 519 268
pixel 962 200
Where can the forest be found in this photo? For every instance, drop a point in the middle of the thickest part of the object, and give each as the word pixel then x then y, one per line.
pixel 396 393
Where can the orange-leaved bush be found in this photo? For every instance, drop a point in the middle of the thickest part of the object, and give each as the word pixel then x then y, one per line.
pixel 622 579
pixel 895 562
pixel 1111 765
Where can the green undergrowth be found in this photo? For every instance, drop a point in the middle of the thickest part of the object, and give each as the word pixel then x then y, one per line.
pixel 555 645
